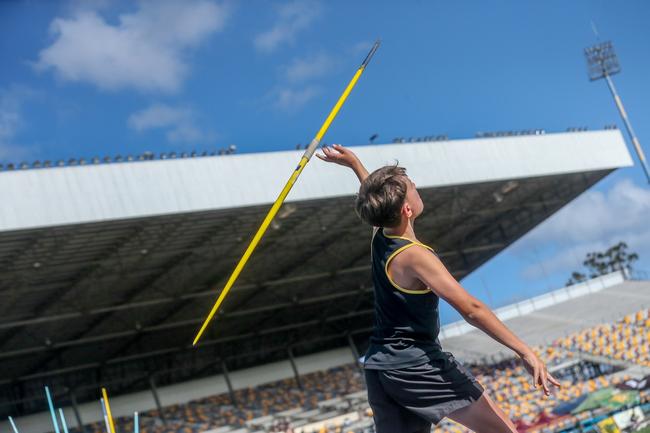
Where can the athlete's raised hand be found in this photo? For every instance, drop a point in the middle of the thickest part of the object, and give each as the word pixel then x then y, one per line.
pixel 343 156
pixel 537 369
pixel 339 155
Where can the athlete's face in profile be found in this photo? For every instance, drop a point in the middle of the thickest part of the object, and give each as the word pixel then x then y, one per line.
pixel 413 198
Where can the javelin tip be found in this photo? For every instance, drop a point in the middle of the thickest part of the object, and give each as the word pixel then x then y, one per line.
pixel 371 53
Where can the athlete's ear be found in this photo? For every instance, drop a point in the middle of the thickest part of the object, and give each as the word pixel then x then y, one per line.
pixel 406 208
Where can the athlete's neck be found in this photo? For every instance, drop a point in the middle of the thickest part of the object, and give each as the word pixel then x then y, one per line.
pixel 404 230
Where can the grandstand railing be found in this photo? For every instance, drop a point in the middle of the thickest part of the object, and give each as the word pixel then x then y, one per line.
pixel 538 302
pixel 638 275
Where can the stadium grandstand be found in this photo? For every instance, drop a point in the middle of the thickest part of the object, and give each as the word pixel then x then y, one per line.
pixel 109 268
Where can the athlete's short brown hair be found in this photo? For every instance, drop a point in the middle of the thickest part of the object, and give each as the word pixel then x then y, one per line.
pixel 381 196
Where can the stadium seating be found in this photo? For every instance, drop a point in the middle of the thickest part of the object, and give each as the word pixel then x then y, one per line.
pixel 627 340
pixel 334 401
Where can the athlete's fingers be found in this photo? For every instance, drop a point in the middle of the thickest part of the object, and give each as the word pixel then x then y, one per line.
pixel 554 381
pixel 544 378
pixel 327 152
pixel 535 373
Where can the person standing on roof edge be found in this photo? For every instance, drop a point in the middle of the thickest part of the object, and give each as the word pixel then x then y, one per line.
pixel 412 383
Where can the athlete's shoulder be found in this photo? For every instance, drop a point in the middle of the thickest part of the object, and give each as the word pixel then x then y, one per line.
pixel 417 252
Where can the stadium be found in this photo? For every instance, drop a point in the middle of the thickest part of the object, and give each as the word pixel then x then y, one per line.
pixel 109 266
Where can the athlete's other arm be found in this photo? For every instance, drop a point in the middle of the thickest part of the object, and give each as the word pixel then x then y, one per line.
pixel 431 271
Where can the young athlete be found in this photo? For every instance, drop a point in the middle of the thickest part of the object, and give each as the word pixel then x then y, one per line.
pixel 412 383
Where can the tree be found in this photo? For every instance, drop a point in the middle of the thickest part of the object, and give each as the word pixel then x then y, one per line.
pixel 615 258
pixel 576 277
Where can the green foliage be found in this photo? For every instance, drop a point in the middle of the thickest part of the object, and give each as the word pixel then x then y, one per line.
pixel 616 258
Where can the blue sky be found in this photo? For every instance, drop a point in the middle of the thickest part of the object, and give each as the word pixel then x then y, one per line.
pixel 108 78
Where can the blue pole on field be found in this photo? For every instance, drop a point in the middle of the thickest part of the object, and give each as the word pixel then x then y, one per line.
pixel 13 425
pixel 65 425
pixel 136 423
pixel 108 427
pixel 51 405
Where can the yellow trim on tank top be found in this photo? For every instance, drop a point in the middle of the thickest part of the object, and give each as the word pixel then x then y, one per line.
pixel 401 289
pixel 406 239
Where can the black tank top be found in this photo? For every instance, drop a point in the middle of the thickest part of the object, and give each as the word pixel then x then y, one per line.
pixel 407 322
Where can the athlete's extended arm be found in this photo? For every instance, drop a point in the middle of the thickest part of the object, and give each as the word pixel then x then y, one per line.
pixel 345 157
pixel 430 270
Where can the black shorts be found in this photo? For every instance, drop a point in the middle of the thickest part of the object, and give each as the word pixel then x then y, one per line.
pixel 411 399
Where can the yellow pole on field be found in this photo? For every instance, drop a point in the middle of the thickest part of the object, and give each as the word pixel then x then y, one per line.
pixel 108 411
pixel 285 191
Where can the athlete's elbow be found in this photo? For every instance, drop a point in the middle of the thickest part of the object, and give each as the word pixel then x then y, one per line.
pixel 472 310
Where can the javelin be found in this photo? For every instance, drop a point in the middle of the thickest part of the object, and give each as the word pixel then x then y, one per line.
pixel 285 191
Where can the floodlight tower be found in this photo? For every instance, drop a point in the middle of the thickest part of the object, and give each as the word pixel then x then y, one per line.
pixel 602 63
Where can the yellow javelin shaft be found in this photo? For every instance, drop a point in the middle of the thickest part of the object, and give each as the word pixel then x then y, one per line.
pixel 285 191
pixel 108 411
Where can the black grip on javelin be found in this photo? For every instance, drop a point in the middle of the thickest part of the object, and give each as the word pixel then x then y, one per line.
pixel 370 54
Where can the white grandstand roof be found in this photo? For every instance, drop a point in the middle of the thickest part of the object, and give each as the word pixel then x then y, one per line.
pixel 93 193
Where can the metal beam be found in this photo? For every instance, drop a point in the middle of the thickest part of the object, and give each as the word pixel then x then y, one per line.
pixel 162 327
pixel 296 375
pixel 173 299
pixel 226 375
pixel 156 398
pixel 77 414
pixel 168 351
pixel 272 330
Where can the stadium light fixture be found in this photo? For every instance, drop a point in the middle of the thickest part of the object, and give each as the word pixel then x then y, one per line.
pixel 603 63
pixel 285 191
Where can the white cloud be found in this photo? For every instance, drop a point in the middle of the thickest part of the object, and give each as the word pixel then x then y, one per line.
pixel 292 18
pixel 179 123
pixel 296 86
pixel 292 99
pixel 145 50
pixel 593 222
pixel 303 69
